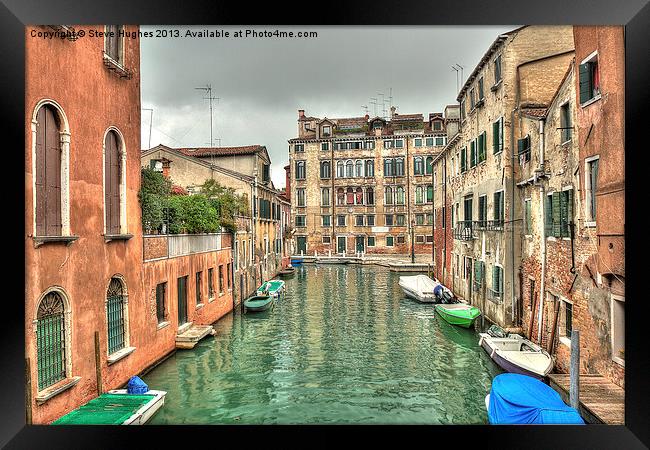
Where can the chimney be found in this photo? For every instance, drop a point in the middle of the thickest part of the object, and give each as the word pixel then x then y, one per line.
pixel 366 117
pixel 166 166
pixel 287 188
pixel 301 114
pixel 392 111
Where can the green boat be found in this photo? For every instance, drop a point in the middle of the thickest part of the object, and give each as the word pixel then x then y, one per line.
pixel 273 288
pixel 460 314
pixel 258 303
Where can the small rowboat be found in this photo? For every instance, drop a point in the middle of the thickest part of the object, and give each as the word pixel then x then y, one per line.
pixel 258 303
pixel 460 314
pixel 288 272
pixel 516 354
pixel 273 288
pixel 116 407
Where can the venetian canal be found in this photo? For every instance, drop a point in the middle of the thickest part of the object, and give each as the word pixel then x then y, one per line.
pixel 343 345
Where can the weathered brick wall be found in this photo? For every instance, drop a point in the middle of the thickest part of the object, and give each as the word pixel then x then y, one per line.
pixel 155 247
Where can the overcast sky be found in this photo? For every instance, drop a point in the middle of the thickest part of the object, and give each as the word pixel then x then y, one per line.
pixel 262 82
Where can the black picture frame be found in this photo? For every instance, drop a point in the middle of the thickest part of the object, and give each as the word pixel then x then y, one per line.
pixel 16 14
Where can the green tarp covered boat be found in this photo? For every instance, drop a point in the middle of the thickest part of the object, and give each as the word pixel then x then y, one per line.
pixel 273 288
pixel 460 314
pixel 258 303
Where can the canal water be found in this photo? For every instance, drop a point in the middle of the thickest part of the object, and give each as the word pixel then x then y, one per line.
pixel 343 346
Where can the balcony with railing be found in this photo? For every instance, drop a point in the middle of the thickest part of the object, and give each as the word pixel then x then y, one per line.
pixel 166 246
pixel 467 230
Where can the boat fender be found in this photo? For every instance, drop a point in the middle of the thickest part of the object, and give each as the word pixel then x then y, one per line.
pixel 492 354
pixel 480 342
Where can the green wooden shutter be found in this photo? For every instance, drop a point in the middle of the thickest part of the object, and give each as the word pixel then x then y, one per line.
pixel 472 154
pixel 521 145
pixel 556 214
pixel 585 82
pixel 463 159
pixel 548 214
pixel 495 137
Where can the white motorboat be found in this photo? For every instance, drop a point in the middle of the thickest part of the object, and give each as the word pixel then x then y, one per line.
pixel 516 354
pixel 144 414
pixel 419 287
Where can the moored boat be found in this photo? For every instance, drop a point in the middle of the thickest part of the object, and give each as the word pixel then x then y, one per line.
pixel 419 287
pixel 272 287
pixel 460 314
pixel 287 272
pixel 258 303
pixel 519 399
pixel 516 354
pixel 116 407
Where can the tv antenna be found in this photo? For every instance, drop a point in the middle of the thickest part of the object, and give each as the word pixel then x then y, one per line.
pixel 373 102
pixel 459 70
pixel 383 104
pixel 365 108
pixel 150 123
pixel 208 89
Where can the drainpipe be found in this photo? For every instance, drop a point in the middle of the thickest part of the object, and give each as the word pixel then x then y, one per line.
pixel 408 201
pixel 433 213
pixel 512 204
pixel 542 232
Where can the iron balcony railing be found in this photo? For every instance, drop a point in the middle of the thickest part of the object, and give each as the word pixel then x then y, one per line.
pixel 466 230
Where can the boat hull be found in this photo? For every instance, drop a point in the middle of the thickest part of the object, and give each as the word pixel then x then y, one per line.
pixel 505 364
pixel 275 288
pixel 463 318
pixel 258 303
pixel 286 273
pixel 144 414
pixel 416 296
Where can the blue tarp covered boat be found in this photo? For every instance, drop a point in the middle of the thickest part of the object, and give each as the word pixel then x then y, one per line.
pixel 520 399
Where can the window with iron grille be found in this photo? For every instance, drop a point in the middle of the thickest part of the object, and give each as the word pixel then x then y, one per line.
pixel 199 276
pixel 300 221
pixel 221 283
pixel 419 239
pixel 401 239
pixel 340 220
pixel 50 341
pixel 327 239
pixel 161 300
pixel 211 283
pixel 115 311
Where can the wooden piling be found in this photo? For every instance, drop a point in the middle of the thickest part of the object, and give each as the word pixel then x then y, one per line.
pixel 551 342
pixel 98 364
pixel 28 392
pixel 532 318
pixel 574 371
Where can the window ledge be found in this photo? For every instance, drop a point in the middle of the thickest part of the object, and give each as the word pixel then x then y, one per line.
pixel 200 305
pixel 40 240
pixel 590 224
pixel 590 101
pixel 565 340
pixel 184 327
pixel 120 354
pixel 496 85
pixel 619 361
pixel 59 387
pixel 117 237
pixel 162 325
pixel 118 68
pixel 211 299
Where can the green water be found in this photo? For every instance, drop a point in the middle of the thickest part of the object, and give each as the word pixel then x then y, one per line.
pixel 342 346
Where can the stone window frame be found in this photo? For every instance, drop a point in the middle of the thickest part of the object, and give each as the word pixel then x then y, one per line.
pixel 298 197
pixel 374 242
pixel 120 61
pixel 328 237
pixel 303 216
pixel 420 239
pixel 590 221
pixel 620 299
pixel 593 56
pixel 323 216
pixel 565 340
pixel 127 349
pixel 392 244
pixel 497 82
pixel 45 394
pixel 322 196
pixel 123 187
pixel 568 130
pixel 345 220
pixel 65 134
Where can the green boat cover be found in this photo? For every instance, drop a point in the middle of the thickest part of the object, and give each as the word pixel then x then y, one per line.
pixel 107 409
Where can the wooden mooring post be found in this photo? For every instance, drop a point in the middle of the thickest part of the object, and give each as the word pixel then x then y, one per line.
pixel 28 392
pixel 574 371
pixel 98 364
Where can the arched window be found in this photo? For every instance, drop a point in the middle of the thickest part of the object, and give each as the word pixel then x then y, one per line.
pixel 399 195
pixel 370 168
pixel 399 167
pixel 388 167
pixel 370 196
pixel 359 196
pixel 429 165
pixel 112 182
pixel 340 196
pixel 325 169
pixel 48 172
pixel 300 170
pixel 417 166
pixel 116 315
pixel 50 340
pixel 340 169
pixel 419 194
pixel 325 197
pixel 388 195
pixel 429 193
pixel 349 172
pixel 358 168
pixel 350 196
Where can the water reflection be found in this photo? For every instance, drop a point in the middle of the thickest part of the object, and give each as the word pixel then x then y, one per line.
pixel 342 346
